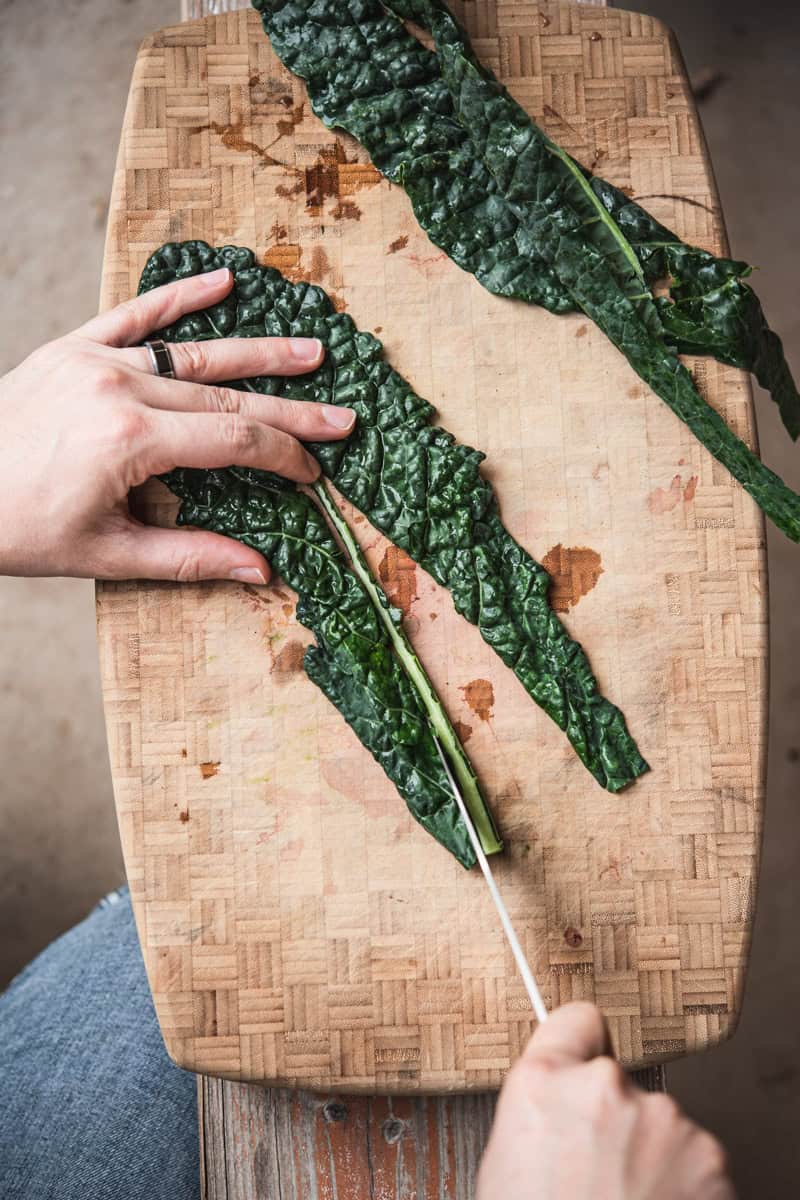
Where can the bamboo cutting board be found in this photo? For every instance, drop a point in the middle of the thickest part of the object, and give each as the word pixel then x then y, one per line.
pixel 298 927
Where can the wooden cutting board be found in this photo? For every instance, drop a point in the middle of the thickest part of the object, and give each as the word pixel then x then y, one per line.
pixel 298 926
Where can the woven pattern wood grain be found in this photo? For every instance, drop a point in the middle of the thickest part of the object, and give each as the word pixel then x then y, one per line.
pixel 297 926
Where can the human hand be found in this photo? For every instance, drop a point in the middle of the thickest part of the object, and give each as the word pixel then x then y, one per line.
pixel 571 1126
pixel 83 421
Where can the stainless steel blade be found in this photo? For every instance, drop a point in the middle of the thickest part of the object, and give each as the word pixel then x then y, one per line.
pixel 525 971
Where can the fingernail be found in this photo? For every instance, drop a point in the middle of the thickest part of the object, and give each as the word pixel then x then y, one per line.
pixel 339 418
pixel 212 279
pixel 305 350
pixel 247 575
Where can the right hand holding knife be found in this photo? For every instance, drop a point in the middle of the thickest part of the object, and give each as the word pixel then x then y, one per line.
pixel 570 1125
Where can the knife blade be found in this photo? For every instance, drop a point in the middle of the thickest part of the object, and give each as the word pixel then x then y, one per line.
pixel 528 978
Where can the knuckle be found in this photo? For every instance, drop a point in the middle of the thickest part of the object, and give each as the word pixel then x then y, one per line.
pixel 188 568
pixel 128 424
pixel 109 379
pixel 663 1109
pixel 605 1087
pixel 194 359
pixel 242 434
pixel 224 400
pixel 712 1155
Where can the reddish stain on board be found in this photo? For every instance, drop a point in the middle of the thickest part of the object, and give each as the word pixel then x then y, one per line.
pixel 463 731
pixel 183 816
pixel 424 262
pixel 573 937
pixel 209 769
pixel 434 616
pixel 184 752
pixel 479 695
pixel 281 594
pixel 635 392
pixel 289 659
pixel 398 244
pixel 581 331
pixel 278 232
pixel 398 574
pixel 287 609
pixel 664 500
pixel 574 571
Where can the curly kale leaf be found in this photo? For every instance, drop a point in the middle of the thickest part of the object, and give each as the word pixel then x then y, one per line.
pixel 352 662
pixel 421 488
pixel 510 206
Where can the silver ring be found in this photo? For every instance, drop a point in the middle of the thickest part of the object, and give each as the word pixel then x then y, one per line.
pixel 160 358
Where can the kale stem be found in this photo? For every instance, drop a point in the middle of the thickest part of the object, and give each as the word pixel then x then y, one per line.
pixel 437 717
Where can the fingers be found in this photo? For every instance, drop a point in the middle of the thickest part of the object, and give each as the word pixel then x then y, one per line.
pixel 133 320
pixel 208 440
pixel 236 358
pixel 185 556
pixel 304 419
pixel 573 1033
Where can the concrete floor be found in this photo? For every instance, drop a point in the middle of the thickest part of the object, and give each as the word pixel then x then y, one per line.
pixel 59 848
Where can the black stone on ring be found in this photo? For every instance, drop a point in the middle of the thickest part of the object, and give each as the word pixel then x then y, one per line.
pixel 160 358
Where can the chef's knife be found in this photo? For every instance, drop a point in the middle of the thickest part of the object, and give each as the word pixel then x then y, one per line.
pixel 525 971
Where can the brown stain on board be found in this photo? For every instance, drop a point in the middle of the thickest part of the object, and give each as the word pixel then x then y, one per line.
pixel 232 138
pixel 574 571
pixel 398 573
pixel 334 176
pixel 320 263
pixel 399 243
pixel 289 659
pixel 463 731
pixel 479 695
pixel 664 500
pixel 581 331
pixel 209 769
pixel 347 210
pixel 183 816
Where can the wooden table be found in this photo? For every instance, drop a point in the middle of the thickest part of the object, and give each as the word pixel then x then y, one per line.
pixel 277 1143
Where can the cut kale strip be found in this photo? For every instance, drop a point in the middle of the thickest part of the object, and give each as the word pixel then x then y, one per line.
pixel 507 204
pixel 352 662
pixel 420 487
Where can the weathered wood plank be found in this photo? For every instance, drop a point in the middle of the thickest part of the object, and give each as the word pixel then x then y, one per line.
pixel 260 1142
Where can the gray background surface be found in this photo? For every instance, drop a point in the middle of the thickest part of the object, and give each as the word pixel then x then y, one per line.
pixel 64 72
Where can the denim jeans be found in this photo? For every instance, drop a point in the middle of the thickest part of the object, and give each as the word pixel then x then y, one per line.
pixel 91 1107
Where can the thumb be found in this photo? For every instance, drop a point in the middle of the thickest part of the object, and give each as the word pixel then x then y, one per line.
pixel 573 1033
pixel 185 556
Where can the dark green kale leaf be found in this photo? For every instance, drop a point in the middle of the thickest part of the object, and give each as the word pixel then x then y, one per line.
pixel 352 662
pixel 710 308
pixel 421 488
pixel 510 206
